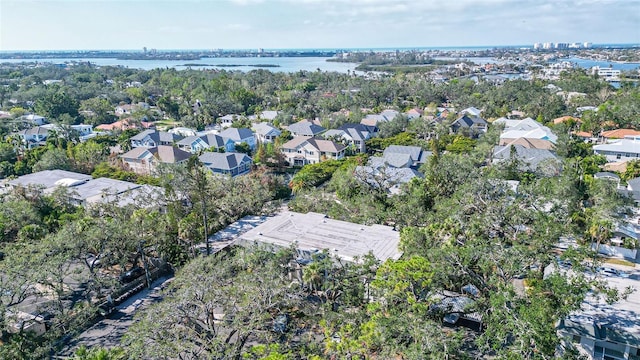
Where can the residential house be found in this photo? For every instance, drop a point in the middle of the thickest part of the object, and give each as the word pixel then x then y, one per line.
pixel 219 142
pixel 305 128
pixel 227 120
pixel 84 131
pixel 230 163
pixel 82 189
pixel 525 128
pixel 47 180
pixel 355 135
pixel 564 119
pixel 144 160
pixel 469 124
pixel 400 156
pixel 33 137
pixel 413 113
pixel 541 161
pixel 375 119
pixel 125 124
pixel 268 115
pixel 620 150
pixel 34 119
pixel 128 109
pixel 195 144
pixel 602 330
pixel 239 136
pixel 302 150
pixel 528 143
pixel 154 138
pixel 183 131
pixel 265 132
pixel 381 175
pixel 619 134
pixel 471 111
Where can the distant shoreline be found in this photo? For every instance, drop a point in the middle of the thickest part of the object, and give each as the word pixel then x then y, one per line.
pixel 233 65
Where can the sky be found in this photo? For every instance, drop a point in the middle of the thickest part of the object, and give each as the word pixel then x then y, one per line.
pixel 310 24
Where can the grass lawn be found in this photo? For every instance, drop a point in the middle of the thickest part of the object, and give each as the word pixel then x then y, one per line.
pixel 619 262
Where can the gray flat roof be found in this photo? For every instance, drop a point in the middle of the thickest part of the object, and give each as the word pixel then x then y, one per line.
pixel 47 179
pixel 617 322
pixel 313 231
pixel 101 186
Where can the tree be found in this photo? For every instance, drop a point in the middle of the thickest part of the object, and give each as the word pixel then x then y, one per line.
pixel 55 103
pixel 53 159
pixel 217 304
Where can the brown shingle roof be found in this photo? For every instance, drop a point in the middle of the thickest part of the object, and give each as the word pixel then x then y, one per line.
pixel 528 143
pixel 326 145
pixel 295 142
pixel 171 155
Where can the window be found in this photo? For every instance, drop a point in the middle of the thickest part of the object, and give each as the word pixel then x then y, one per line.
pixel 576 339
pixel 310 152
pixel 618 156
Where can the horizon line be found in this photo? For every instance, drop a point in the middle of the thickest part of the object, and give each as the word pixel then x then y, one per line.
pixel 316 48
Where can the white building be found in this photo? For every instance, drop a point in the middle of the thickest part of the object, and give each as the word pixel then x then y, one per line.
pixel 620 150
pixel 605 72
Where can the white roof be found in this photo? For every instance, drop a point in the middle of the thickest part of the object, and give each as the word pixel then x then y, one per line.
pixel 622 146
pixel 313 231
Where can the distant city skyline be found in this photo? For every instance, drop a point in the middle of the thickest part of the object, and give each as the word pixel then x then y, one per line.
pixel 305 24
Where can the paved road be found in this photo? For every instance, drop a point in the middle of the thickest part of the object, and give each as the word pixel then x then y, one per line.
pixel 109 331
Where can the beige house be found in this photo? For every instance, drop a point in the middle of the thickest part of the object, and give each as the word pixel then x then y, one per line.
pixel 304 150
pixel 144 161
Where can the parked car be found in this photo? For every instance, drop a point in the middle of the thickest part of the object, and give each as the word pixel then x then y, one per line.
pixel 131 275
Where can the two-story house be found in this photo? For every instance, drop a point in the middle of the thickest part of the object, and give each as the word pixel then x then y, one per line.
pixel 239 136
pixel 154 138
pixel 620 150
pixel 230 163
pixel 355 135
pixel 302 150
pixel 144 160
pixel 33 137
pixel 265 132
pixel 305 128
pixel 469 124
pixel 195 144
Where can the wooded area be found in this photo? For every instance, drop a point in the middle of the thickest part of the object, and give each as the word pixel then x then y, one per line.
pixel 461 226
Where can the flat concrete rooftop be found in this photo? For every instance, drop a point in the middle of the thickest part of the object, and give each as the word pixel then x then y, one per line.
pixel 47 179
pixel 313 231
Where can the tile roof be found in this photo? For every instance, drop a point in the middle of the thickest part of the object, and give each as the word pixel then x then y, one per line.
pixel 562 119
pixel 619 133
